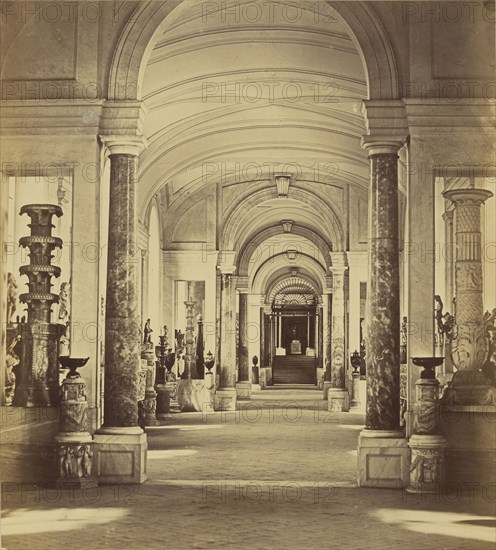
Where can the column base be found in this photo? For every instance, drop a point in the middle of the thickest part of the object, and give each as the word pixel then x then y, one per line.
pixel 383 459
pixel 427 470
pixel 225 399
pixel 325 388
pixel 121 455
pixel 338 400
pixel 243 390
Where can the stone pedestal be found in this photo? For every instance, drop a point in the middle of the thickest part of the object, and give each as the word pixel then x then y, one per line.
pixel 163 401
pixel 295 347
pixel 225 399
pixel 427 470
pixel 194 395
pixel 338 400
pixel 121 455
pixel 325 390
pixel 383 459
pixel 243 390
pixel 355 401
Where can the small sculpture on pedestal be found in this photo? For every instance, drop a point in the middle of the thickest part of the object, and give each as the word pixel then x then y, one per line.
pixel 147 331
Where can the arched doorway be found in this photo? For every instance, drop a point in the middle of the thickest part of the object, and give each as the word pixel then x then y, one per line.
pixel 295 343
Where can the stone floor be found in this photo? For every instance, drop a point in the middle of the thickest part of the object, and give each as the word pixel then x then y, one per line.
pixel 277 474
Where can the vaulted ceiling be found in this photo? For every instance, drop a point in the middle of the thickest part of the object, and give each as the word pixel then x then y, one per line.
pixel 234 97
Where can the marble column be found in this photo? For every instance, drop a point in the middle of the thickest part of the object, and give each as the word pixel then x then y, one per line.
pixel 383 454
pixel 469 345
pixel 121 443
pixel 327 343
pixel 338 396
pixel 243 385
pixel 449 263
pixel 225 397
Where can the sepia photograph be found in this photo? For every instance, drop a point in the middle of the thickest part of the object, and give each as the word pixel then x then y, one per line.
pixel 248 276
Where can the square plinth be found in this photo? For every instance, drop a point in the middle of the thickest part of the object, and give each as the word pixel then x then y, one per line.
pixel 383 461
pixel 121 455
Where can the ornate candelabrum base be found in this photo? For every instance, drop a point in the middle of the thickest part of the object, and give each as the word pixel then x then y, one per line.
pixel 74 442
pixel 427 468
pixel 38 373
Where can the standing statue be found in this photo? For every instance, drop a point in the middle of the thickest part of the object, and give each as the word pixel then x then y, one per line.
pixel 445 322
pixel 65 302
pixel 294 332
pixel 147 331
pixel 11 361
pixel 11 296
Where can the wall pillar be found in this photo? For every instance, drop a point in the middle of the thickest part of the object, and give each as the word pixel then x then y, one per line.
pixel 383 455
pixel 338 396
pixel 121 443
pixel 225 397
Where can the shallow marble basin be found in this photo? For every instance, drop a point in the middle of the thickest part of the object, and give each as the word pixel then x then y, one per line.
pixel 427 362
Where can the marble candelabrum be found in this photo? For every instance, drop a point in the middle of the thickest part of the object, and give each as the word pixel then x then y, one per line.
pixel 427 468
pixel 38 383
pixel 74 442
pixel 148 405
pixel 165 380
pixel 469 343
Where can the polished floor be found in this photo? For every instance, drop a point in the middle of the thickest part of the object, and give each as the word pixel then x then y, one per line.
pixel 277 474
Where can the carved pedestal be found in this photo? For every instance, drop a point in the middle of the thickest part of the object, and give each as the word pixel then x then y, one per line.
pixel 427 470
pixel 74 443
pixel 338 400
pixel 37 377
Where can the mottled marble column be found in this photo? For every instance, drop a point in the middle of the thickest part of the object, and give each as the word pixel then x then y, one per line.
pixel 383 298
pixel 122 323
pixel 243 385
pixel 337 394
pixel 338 329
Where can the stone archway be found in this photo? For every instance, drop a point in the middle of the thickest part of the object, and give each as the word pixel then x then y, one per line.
pixel 138 37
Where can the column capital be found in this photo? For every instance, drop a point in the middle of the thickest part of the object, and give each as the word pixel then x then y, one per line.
pixel 124 145
pixel 339 261
pixel 358 258
pixel 226 262
pixel 242 284
pixel 387 126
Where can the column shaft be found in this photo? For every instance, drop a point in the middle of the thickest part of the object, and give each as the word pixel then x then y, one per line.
pixel 383 319
pixel 228 332
pixel 122 323
pixel 338 330
pixel 244 366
